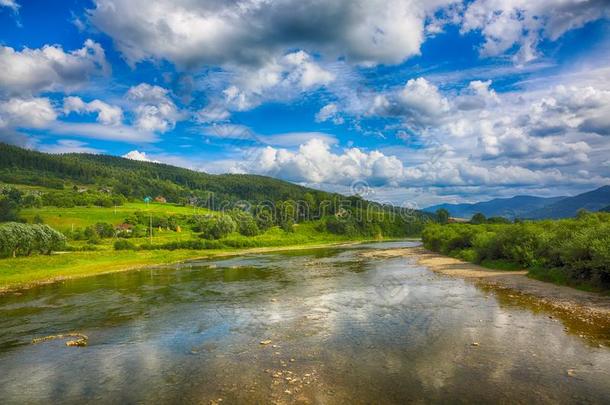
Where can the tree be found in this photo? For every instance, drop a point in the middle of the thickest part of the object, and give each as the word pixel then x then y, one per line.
pixel 246 225
pixel 442 216
pixel 478 219
pixel 10 198
pixel 216 227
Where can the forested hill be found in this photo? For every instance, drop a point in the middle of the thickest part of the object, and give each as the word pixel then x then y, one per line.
pixel 136 179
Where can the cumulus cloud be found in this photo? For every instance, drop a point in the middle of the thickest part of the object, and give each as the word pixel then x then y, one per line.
pixel 279 79
pixel 106 114
pixel 26 113
pixel 418 103
pixel 140 156
pixel 12 4
pixel 524 23
pixel 31 71
pixel 154 110
pixel 314 162
pixel 247 32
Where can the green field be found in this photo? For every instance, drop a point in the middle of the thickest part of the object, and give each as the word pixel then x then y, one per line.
pixel 63 219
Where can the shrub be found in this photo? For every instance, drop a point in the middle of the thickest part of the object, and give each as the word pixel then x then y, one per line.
pixel 123 244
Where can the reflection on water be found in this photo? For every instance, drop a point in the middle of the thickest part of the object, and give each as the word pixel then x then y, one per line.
pixel 343 329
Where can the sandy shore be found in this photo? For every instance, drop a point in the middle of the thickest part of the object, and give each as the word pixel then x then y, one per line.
pixel 581 306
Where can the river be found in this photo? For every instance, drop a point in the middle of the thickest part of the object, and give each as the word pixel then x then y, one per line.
pixel 324 326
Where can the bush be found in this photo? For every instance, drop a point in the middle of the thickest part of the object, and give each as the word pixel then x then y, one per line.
pixel 123 244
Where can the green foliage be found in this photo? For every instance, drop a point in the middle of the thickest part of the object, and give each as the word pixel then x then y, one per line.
pixel 18 239
pixel 123 244
pixel 442 216
pixel 215 226
pixel 246 224
pixel 478 219
pixel 576 250
pixel 10 200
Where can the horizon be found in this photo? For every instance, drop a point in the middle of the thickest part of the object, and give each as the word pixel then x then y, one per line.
pixel 453 102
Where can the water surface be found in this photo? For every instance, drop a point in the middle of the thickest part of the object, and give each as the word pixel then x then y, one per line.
pixel 343 329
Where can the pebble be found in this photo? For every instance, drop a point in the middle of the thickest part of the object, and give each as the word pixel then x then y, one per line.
pixel 265 342
pixel 474 344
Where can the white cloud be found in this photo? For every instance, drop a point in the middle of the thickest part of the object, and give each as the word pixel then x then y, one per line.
pixel 154 109
pixel 26 113
pixel 140 156
pixel 250 31
pixel 291 139
pixel 120 133
pixel 279 79
pixel 12 4
pixel 106 114
pixel 315 163
pixel 418 103
pixel 330 112
pixel 523 23
pixel 49 68
pixel 243 136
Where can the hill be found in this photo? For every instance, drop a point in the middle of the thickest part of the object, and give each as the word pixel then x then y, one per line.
pixel 136 179
pixel 595 200
pixel 515 207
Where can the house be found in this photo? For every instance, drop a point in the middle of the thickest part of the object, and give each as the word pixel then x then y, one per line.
pixel 127 228
pixel 453 220
pixel 160 199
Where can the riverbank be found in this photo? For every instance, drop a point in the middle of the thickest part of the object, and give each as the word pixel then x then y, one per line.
pixel 27 272
pixel 580 306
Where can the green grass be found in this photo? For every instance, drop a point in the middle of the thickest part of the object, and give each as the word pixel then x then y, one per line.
pixel 63 219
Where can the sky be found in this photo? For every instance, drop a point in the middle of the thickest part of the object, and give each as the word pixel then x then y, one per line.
pixel 409 102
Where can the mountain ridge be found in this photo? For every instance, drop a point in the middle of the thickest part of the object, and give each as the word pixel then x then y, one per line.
pixel 531 207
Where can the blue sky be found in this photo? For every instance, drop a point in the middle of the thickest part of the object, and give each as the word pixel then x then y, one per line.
pixel 404 101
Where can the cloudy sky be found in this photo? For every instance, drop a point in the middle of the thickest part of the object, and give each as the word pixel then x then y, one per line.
pixel 405 101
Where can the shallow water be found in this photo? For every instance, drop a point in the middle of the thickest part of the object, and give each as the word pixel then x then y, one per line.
pixel 343 329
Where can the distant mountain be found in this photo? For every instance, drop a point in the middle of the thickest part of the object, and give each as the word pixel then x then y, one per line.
pixel 606 209
pixel 515 207
pixel 595 200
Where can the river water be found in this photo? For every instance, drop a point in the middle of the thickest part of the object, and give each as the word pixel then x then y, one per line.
pixel 337 327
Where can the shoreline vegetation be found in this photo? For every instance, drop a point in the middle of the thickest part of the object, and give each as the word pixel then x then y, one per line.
pixel 571 252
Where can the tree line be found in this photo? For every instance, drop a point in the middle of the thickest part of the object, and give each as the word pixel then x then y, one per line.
pixel 18 239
